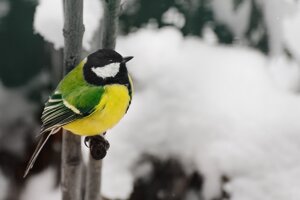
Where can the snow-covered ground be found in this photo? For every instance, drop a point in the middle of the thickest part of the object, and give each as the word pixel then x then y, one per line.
pixel 216 108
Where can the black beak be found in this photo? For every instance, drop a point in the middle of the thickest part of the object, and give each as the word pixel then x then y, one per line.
pixel 126 59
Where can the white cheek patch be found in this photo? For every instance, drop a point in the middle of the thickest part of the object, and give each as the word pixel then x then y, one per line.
pixel 109 70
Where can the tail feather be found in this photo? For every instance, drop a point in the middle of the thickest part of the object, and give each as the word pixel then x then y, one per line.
pixel 42 141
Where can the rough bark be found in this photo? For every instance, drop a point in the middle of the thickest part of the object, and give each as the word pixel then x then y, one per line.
pixel 71 144
pixel 108 34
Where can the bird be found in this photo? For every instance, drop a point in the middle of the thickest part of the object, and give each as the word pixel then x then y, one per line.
pixel 89 100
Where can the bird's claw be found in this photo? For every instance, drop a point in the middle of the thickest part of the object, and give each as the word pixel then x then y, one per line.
pixel 98 146
pixel 87 141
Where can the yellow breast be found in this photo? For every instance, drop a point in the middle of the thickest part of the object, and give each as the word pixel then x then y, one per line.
pixel 109 112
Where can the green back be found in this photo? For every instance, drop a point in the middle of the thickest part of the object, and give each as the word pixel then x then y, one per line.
pixel 77 92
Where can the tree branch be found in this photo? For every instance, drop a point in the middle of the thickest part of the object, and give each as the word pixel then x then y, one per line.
pixel 108 34
pixel 93 179
pixel 111 19
pixel 71 144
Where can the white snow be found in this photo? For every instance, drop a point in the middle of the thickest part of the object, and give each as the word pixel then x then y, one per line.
pixel 42 187
pixel 209 35
pixel 275 13
pixel 281 18
pixel 4 8
pixel 216 108
pixel 173 16
pixel 48 21
pixel 285 72
pixel 236 20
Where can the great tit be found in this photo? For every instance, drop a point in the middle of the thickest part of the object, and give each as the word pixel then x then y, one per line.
pixel 90 99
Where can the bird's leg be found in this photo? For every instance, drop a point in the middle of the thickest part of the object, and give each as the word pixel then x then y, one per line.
pixel 98 146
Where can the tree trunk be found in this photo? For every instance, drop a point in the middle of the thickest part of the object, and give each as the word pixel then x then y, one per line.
pixel 71 144
pixel 108 33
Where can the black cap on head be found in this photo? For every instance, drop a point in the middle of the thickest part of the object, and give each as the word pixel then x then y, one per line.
pixel 103 57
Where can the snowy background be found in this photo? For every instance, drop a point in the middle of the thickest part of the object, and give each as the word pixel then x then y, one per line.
pixel 215 111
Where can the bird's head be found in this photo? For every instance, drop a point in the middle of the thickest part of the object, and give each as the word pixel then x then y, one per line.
pixel 106 66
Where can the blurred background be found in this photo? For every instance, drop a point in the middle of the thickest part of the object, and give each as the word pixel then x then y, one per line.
pixel 216 110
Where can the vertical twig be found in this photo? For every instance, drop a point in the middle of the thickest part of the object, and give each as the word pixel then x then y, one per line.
pixel 71 145
pixel 111 19
pixel 108 34
pixel 93 179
